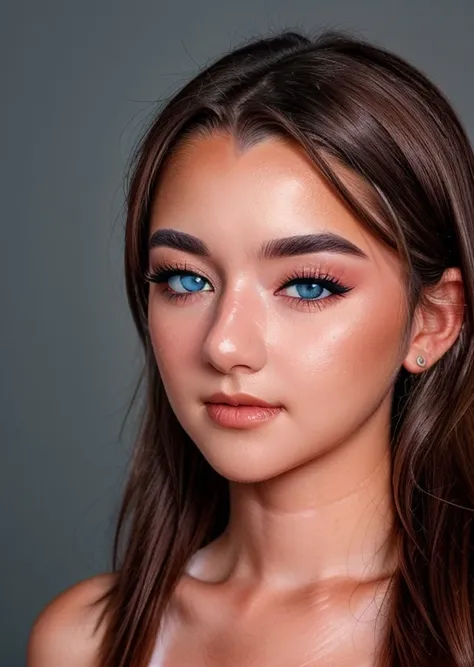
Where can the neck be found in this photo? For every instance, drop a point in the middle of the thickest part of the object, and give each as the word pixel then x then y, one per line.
pixel 330 518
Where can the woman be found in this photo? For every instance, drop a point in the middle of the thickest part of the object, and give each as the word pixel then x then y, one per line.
pixel 300 268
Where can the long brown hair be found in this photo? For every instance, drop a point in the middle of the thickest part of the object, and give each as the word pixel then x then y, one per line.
pixel 344 101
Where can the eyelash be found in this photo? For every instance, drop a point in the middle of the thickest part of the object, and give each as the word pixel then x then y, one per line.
pixel 164 272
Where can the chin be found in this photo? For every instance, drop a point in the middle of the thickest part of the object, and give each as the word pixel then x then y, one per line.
pixel 244 475
pixel 242 455
pixel 247 463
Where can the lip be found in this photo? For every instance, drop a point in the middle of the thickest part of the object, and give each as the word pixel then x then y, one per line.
pixel 240 416
pixel 240 399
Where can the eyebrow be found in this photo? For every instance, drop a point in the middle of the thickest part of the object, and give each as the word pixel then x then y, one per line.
pixel 283 247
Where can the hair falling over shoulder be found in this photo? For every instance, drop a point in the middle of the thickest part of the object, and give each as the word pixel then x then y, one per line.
pixel 347 101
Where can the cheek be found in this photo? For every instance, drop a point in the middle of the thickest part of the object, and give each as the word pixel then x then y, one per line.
pixel 347 351
pixel 174 342
pixel 312 357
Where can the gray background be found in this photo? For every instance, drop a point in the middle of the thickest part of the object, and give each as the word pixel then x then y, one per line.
pixel 80 80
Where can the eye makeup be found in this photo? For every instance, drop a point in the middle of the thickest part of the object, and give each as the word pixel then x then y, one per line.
pixel 163 273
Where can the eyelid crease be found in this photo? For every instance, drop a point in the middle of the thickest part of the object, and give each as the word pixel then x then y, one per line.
pixel 163 272
pixel 172 268
pixel 337 289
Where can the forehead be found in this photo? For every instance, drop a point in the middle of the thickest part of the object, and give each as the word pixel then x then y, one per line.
pixel 213 189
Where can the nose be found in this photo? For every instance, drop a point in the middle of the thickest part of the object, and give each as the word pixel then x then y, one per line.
pixel 236 336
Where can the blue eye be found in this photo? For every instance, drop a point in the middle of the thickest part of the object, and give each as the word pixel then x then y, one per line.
pixel 182 283
pixel 306 290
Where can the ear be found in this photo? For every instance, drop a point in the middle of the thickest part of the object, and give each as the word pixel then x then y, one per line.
pixel 437 322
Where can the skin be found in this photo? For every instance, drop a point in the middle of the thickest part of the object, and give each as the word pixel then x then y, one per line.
pixel 298 578
pixel 310 491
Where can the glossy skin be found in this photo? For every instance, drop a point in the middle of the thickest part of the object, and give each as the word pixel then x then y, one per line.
pixel 310 495
pixel 298 577
pixel 308 356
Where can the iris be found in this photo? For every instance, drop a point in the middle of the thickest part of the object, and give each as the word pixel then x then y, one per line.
pixel 191 283
pixel 307 290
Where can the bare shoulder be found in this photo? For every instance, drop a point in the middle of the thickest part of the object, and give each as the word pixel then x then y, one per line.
pixel 63 633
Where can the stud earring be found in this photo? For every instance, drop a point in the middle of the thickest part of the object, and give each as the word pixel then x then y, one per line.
pixel 421 361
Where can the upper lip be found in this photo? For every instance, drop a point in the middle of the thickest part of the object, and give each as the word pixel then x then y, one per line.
pixel 239 399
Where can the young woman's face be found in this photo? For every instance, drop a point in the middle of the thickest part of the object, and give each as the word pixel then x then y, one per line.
pixel 311 326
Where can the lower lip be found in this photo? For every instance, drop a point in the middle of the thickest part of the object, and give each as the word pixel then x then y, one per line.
pixel 240 416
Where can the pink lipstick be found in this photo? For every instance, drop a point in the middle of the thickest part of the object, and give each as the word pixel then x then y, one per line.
pixel 240 411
